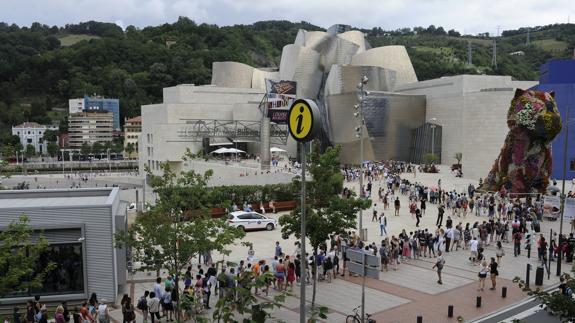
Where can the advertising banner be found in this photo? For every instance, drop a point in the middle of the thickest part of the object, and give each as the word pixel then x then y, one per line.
pixel 280 96
pixel 552 207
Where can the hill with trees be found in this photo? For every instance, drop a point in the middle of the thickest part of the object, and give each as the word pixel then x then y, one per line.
pixel 41 67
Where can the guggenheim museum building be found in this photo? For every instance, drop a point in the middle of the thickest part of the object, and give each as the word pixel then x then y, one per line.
pixel 404 118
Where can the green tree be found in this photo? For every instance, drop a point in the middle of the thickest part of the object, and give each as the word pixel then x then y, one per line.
pixel 98 149
pixel 179 226
pixel 52 149
pixel 30 151
pixel 50 136
pixel 458 157
pixel 86 149
pixel 130 148
pixel 8 151
pixel 19 258
pixel 327 212
pixel 430 158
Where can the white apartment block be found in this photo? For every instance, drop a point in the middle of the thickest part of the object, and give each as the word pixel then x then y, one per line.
pixel 32 133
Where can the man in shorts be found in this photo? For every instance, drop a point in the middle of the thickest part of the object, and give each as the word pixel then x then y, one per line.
pixel 439 265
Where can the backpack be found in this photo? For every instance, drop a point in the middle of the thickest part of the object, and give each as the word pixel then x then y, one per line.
pixel 569 292
pixel 142 304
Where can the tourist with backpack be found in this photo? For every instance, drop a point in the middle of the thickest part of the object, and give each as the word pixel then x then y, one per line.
pixel 143 305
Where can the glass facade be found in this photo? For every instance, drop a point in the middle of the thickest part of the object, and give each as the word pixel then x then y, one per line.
pixel 67 276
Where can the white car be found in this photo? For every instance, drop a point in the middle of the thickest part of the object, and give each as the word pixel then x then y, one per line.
pixel 251 221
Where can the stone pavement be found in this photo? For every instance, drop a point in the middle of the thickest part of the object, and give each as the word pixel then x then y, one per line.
pixel 397 296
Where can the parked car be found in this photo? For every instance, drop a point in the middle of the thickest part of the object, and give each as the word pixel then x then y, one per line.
pixel 251 221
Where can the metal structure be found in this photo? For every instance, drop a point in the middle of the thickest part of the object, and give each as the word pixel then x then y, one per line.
pixel 366 266
pixel 360 134
pixel 195 130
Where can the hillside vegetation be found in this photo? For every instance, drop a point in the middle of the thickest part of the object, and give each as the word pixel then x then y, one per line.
pixel 41 67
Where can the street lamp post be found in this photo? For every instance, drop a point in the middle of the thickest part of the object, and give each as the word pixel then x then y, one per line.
pixel 565 144
pixel 359 133
pixel 109 161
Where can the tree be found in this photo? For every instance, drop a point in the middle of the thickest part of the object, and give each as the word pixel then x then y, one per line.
pixel 458 157
pixel 19 258
pixel 130 148
pixel 430 158
pixel 98 148
pixel 30 151
pixel 327 212
pixel 50 135
pixel 86 149
pixel 178 227
pixel 553 301
pixel 52 149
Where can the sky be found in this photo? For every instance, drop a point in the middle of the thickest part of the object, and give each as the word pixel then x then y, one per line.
pixel 465 16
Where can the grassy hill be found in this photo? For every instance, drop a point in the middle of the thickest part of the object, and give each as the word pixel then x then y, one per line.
pixel 41 67
pixel 71 39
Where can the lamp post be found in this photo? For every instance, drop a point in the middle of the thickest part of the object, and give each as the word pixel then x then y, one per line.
pixel 109 161
pixel 565 144
pixel 359 134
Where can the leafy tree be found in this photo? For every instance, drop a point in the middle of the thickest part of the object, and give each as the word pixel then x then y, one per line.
pixel 52 149
pixel 19 258
pixel 458 157
pixel 98 149
pixel 30 151
pixel 86 149
pixel 327 212
pixel 8 151
pixel 130 148
pixel 430 158
pixel 239 299
pixel 50 135
pixel 178 227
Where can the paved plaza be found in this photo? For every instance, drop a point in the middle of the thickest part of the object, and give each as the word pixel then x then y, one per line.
pixel 397 296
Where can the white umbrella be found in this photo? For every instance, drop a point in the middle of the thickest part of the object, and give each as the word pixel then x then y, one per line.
pixel 234 150
pixel 220 151
pixel 277 150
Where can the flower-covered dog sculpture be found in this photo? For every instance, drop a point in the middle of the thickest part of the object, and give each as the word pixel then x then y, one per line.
pixel 524 164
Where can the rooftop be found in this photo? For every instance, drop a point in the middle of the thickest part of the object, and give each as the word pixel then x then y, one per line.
pixel 57 198
pixel 30 125
pixel 135 119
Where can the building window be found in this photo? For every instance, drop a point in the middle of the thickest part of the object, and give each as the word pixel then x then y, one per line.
pixel 29 140
pixel 67 277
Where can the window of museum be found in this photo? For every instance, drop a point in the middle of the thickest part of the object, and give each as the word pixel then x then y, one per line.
pixel 64 278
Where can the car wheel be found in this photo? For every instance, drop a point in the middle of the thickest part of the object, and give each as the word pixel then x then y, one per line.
pixel 241 227
pixel 269 227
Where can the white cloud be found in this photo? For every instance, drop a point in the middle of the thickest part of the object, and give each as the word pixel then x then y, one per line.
pixel 470 16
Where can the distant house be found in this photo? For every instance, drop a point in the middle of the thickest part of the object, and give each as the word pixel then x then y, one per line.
pixel 32 133
pixel 132 130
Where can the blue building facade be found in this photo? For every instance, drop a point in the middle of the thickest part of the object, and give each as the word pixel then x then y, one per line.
pixel 559 76
pixel 96 103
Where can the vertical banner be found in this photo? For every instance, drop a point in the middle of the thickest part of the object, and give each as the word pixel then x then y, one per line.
pixel 280 96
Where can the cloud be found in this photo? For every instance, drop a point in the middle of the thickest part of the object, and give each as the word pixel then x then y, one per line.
pixel 469 16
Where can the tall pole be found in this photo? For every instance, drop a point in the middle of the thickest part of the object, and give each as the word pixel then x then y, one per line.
pixel 565 144
pixel 63 170
pixel 302 305
pixel 362 83
pixel 363 264
pixel 16 156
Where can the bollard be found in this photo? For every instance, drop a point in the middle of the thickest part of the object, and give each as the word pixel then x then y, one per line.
pixel 504 292
pixel 450 311
pixel 419 319
pixel 478 301
pixel 527 275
